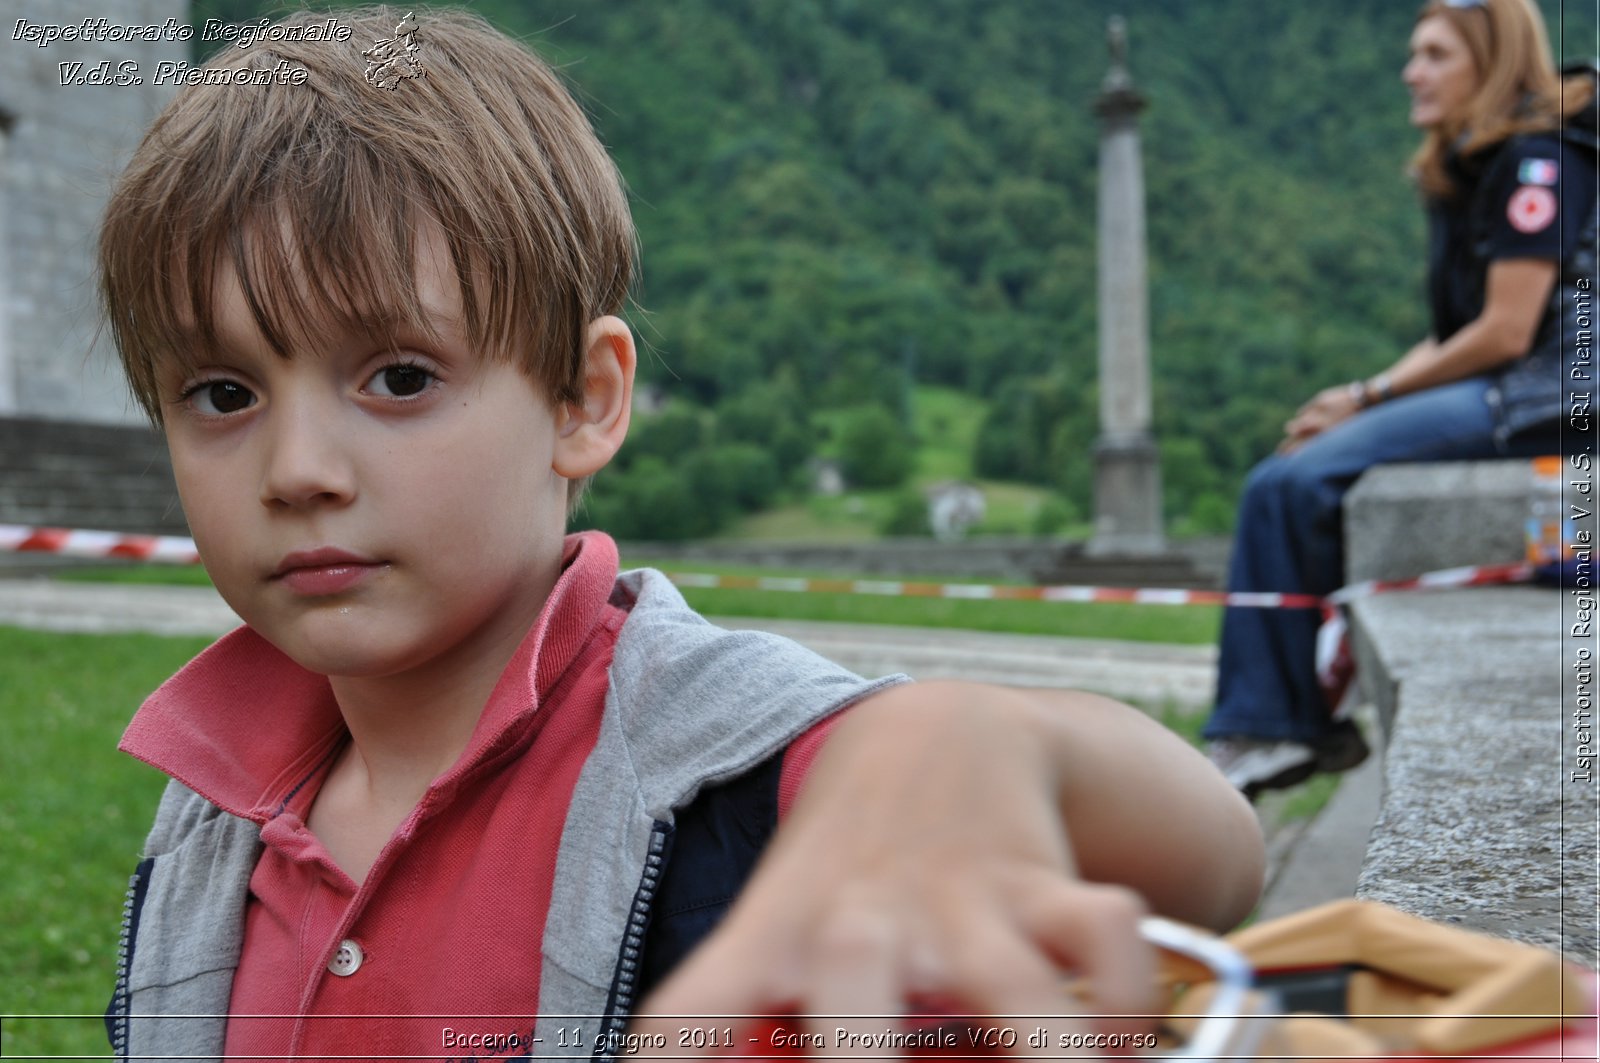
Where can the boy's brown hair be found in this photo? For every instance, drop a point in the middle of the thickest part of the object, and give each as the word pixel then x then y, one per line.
pixel 313 192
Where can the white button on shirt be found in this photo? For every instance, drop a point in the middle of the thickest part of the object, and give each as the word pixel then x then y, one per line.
pixel 347 960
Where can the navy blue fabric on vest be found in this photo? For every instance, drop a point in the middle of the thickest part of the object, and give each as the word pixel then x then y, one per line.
pixel 712 850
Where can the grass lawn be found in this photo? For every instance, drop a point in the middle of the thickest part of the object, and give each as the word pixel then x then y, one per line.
pixel 946 424
pixel 855 517
pixel 73 812
pixel 122 572
pixel 1192 624
pixel 1105 620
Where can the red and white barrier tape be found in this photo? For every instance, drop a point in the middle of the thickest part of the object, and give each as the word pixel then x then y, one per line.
pixel 994 592
pixel 1466 576
pixel 173 549
pixel 65 542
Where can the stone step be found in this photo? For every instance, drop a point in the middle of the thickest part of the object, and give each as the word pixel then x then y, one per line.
pixel 108 477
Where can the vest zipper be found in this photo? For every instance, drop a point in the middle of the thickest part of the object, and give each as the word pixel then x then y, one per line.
pixel 612 1027
pixel 121 996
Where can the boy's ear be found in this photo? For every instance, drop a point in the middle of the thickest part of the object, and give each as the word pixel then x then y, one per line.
pixel 589 432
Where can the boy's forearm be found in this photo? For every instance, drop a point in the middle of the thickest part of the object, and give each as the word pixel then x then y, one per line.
pixel 1141 807
pixel 1146 809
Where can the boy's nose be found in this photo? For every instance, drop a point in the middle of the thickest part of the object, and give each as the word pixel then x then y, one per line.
pixel 305 464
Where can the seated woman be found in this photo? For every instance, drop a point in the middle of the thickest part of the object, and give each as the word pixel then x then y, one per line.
pixel 1508 176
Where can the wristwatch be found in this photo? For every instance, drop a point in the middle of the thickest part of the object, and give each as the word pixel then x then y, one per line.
pixel 1371 392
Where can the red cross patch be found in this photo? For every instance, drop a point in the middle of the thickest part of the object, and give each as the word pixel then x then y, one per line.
pixel 1532 208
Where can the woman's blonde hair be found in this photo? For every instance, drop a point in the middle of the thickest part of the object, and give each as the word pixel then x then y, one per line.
pixel 1519 90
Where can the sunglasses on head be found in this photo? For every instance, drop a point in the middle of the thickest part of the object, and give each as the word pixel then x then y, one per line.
pixel 1462 4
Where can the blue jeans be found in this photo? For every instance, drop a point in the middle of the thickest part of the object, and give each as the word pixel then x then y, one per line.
pixel 1290 538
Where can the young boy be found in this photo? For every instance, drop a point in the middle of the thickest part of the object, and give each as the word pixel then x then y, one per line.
pixel 459 789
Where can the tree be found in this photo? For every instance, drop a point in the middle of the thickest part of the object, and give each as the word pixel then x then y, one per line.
pixel 874 447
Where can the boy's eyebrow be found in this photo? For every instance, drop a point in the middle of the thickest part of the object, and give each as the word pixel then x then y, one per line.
pixel 428 322
pixel 187 337
pixel 188 350
pixel 390 324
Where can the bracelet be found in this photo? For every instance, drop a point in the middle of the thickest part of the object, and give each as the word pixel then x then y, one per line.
pixel 1367 393
pixel 1383 384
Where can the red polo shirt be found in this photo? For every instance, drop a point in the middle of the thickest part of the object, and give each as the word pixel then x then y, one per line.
pixel 438 951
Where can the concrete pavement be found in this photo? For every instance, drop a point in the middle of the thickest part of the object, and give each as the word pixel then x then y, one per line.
pixel 1313 861
pixel 107 608
pixel 1155 675
pixel 1309 862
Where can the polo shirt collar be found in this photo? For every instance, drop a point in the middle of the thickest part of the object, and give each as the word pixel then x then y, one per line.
pixel 243 725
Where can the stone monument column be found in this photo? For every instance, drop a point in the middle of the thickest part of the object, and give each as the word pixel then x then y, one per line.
pixel 1127 488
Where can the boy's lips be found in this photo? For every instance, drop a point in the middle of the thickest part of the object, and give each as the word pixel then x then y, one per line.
pixel 327 570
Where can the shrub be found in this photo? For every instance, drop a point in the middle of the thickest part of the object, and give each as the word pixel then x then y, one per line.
pixel 874 448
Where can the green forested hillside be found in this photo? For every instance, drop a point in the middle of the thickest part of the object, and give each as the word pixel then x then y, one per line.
pixel 841 200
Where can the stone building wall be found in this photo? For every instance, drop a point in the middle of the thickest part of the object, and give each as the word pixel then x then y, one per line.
pixel 60 147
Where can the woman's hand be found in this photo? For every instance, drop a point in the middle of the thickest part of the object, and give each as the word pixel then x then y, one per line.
pixel 1326 409
pixel 1517 291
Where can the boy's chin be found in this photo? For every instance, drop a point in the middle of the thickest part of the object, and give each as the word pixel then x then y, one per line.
pixel 343 645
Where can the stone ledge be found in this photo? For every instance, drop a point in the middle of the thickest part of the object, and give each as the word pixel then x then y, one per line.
pixel 1403 520
pixel 1479 825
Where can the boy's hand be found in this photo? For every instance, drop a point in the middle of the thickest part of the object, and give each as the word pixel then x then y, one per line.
pixel 925 865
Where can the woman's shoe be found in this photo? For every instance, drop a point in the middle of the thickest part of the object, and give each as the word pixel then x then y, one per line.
pixel 1255 764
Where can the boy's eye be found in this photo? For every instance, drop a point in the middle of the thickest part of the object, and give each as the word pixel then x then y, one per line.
pixel 216 397
pixel 400 380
